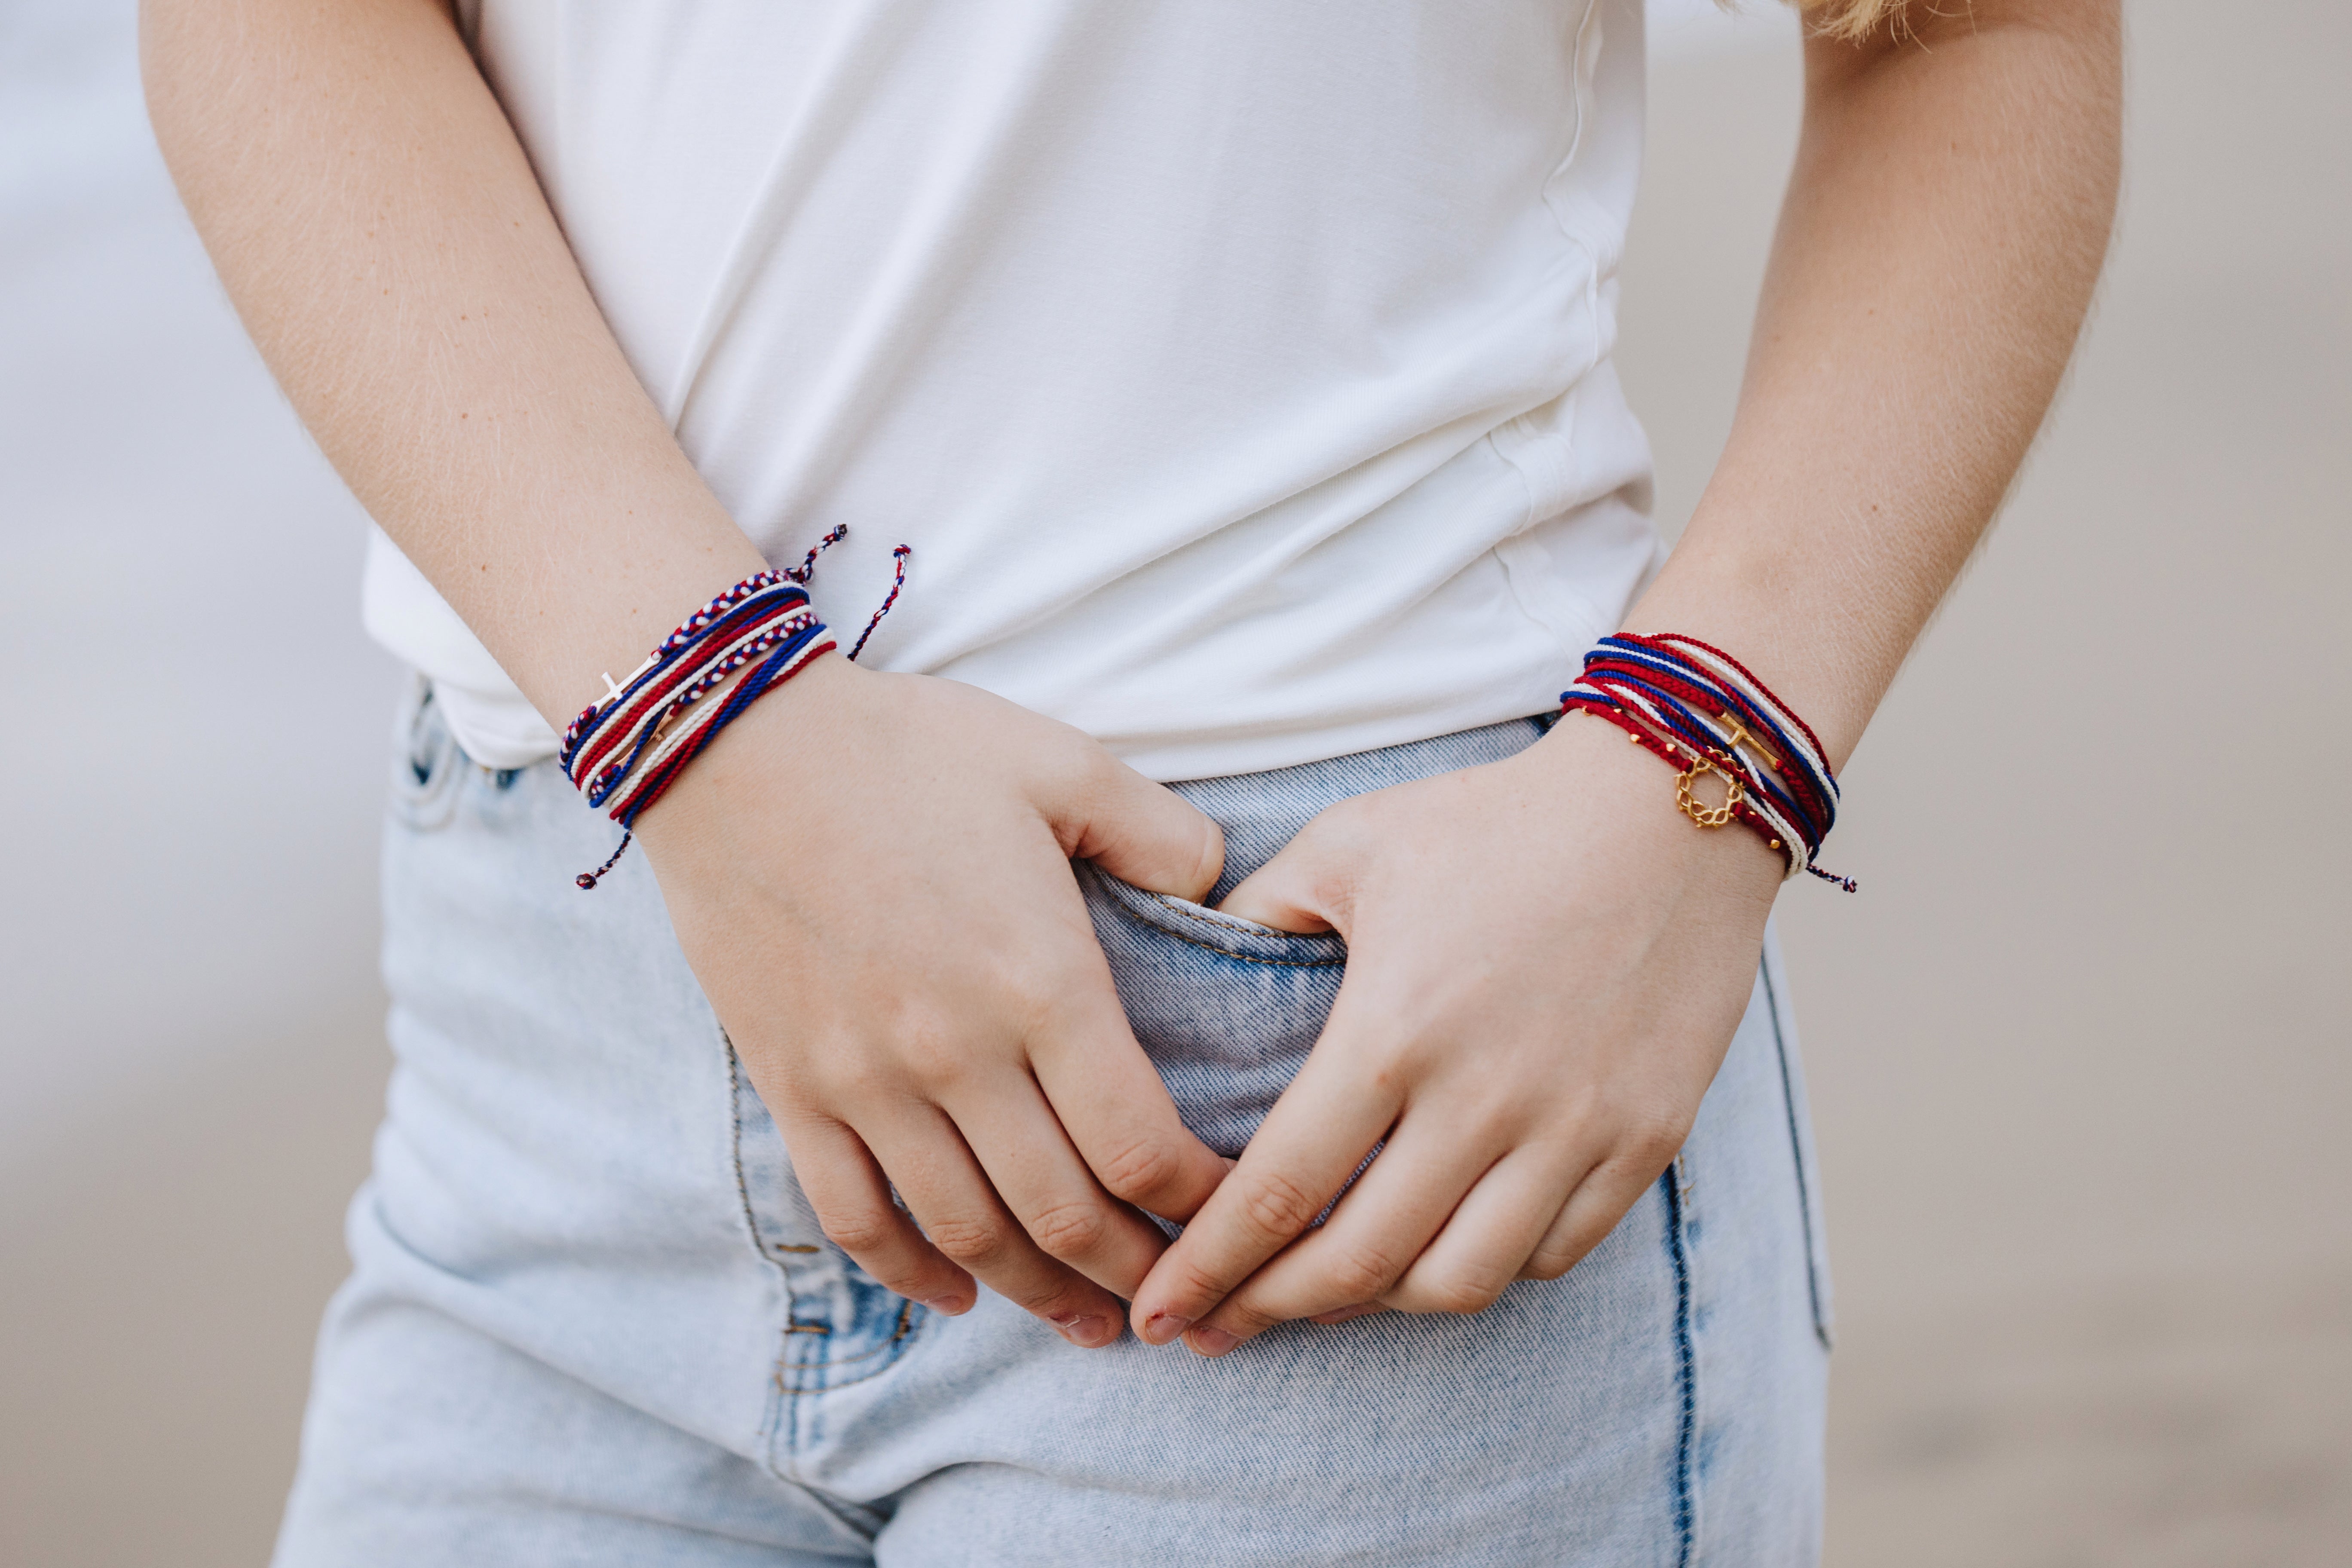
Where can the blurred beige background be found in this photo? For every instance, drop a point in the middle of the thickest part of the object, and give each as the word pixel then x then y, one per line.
pixel 2079 1050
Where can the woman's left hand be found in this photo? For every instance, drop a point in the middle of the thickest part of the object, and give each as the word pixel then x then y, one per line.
pixel 1546 964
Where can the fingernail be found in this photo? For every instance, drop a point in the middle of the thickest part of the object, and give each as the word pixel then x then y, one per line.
pixel 1086 1331
pixel 1161 1327
pixel 1212 1341
pixel 950 1305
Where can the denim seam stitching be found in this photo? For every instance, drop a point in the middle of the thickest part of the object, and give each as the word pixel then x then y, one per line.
pixel 1245 957
pixel 1685 1374
pixel 905 1332
pixel 1159 904
pixel 831 1386
pixel 1797 1157
pixel 782 1423
pixel 1139 918
pixel 1226 923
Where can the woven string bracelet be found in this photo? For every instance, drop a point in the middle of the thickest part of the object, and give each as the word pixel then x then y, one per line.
pixel 1704 712
pixel 623 752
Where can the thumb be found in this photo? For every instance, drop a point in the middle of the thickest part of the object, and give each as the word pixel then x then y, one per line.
pixel 1143 832
pixel 1294 890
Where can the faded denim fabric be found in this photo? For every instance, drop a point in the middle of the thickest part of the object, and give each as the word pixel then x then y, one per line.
pixel 592 1320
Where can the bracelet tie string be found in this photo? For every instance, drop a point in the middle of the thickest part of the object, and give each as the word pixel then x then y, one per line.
pixel 625 751
pixel 898 581
pixel 1704 712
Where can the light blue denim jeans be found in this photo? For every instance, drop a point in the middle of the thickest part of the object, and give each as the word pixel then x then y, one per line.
pixel 592 1319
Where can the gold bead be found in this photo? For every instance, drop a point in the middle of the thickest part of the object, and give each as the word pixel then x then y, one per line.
pixel 1776 844
pixel 1633 737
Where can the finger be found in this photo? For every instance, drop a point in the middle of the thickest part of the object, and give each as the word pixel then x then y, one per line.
pixel 1345 1314
pixel 1495 1230
pixel 1591 1212
pixel 1117 1112
pixel 962 1217
pixel 1289 891
pixel 1049 1189
pixel 852 1200
pixel 1371 1240
pixel 1310 1143
pixel 1143 833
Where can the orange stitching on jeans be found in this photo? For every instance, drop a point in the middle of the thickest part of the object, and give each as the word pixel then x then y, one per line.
pixel 885 1348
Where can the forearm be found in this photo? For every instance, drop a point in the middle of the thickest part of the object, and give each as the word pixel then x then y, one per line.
pixel 1937 251
pixel 380 232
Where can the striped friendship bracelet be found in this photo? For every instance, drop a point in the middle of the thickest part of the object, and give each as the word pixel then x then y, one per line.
pixel 1704 712
pixel 626 749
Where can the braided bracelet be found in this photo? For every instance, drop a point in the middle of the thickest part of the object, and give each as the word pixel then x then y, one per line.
pixel 625 750
pixel 1704 712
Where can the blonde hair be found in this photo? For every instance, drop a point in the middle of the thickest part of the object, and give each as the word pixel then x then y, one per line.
pixel 1852 20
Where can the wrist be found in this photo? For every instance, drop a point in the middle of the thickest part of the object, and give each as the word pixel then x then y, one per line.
pixel 625 752
pixel 790 728
pixel 1713 590
pixel 1618 791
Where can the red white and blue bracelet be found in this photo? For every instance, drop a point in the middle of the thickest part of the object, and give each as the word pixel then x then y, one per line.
pixel 627 748
pixel 1704 712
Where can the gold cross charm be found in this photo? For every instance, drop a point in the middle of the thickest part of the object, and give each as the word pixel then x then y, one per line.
pixel 1740 737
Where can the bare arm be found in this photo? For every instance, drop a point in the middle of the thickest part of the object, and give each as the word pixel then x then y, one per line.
pixel 869 837
pixel 1937 251
pixel 1943 229
pixel 381 233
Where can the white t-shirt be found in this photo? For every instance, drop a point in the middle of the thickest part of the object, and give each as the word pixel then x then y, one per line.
pixel 1238 370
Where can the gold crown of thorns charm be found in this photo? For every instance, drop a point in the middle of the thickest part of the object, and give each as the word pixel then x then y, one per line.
pixel 1735 791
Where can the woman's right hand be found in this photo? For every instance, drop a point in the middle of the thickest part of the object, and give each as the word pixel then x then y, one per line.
pixel 870 876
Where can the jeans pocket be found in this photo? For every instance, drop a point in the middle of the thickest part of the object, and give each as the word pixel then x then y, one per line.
pixel 1227 1009
pixel 1218 932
